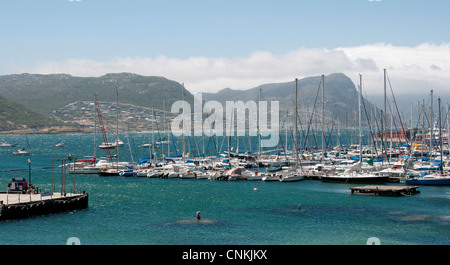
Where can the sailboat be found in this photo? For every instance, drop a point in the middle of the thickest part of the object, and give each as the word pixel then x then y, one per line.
pixel 22 151
pixel 290 176
pixel 355 174
pixel 433 179
pixel 436 178
pixel 88 166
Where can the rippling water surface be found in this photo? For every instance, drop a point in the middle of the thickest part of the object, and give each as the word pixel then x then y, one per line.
pixel 162 211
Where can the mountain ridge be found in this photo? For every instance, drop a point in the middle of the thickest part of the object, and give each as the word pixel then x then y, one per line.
pixel 341 96
pixel 56 95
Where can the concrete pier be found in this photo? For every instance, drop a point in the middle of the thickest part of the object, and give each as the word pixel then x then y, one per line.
pixel 20 205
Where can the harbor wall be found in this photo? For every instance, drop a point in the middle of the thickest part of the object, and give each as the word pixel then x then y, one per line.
pixel 43 207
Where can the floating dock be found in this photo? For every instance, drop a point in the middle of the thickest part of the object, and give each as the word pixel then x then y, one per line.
pixel 20 205
pixel 385 190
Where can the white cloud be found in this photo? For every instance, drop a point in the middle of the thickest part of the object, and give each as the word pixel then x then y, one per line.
pixel 410 69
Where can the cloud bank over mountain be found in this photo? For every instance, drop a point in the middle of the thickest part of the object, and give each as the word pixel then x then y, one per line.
pixel 411 70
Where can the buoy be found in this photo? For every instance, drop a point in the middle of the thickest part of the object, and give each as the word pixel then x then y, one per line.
pixel 255 189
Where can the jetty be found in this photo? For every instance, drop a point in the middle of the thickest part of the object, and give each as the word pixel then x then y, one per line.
pixel 20 205
pixel 23 199
pixel 385 190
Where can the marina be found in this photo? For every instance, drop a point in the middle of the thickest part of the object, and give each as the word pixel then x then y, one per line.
pixel 155 210
pixel 148 195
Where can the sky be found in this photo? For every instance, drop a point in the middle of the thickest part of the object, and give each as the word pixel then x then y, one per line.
pixel 213 44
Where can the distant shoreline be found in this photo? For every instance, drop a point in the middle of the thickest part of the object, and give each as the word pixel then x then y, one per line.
pixel 61 130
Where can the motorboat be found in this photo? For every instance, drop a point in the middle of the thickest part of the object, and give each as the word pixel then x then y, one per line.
pixel 21 152
pixel 271 177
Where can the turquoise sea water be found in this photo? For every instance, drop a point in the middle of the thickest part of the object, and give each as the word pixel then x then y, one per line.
pixel 146 211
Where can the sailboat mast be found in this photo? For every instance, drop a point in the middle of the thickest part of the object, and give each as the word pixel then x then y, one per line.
pixel 440 134
pixel 259 125
pixel 359 119
pixel 383 118
pixel 296 125
pixel 153 138
pixel 323 118
pixel 117 127
pixel 183 147
pixel 95 130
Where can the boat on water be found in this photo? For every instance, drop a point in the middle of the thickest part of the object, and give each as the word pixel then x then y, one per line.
pixel 186 174
pixel 21 152
pixel 235 174
pixel 354 174
pixel 171 171
pixel 290 176
pixel 127 173
pixel 433 179
pixel 109 172
pixel 149 145
pixel 6 144
pixel 271 177
pixel 253 175
pixel 397 170
pixel 355 177
pixel 155 173
pixel 114 169
pixel 84 166
pixel 107 145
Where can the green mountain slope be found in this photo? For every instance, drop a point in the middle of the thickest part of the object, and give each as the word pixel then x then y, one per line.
pixel 46 93
pixel 14 116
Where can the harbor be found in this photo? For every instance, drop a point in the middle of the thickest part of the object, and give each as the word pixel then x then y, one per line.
pixel 144 210
pixel 145 183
